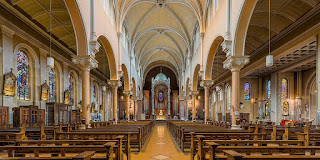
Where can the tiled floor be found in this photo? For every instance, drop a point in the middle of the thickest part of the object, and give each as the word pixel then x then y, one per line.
pixel 161 147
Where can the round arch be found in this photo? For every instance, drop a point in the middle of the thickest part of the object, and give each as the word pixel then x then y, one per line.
pixel 242 27
pixel 78 25
pixel 213 50
pixel 195 78
pixel 134 90
pixel 125 77
pixel 110 55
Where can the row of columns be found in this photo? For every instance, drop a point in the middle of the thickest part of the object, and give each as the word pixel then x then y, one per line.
pixel 234 64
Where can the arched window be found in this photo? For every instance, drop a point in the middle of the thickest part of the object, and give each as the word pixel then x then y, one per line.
pixel 95 93
pixel 284 87
pixel 247 91
pixel 71 88
pixel 23 86
pixel 221 94
pixel 52 85
pixel 229 97
pixel 214 97
pixel 268 89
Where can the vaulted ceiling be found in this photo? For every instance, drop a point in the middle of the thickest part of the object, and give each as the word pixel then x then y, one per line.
pixel 39 12
pixel 161 31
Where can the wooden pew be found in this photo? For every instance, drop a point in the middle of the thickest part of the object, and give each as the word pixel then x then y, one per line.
pixel 87 155
pixel 214 148
pixel 107 148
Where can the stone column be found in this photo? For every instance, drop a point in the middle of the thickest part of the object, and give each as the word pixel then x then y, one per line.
pixel 186 106
pixel 206 84
pixel 194 94
pixel 135 108
pixel 235 63
pixel 182 110
pixel 115 84
pixel 86 63
pixel 127 94
pixel 169 103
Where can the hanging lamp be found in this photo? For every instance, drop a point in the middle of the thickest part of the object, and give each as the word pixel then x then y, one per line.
pixel 50 60
pixel 269 58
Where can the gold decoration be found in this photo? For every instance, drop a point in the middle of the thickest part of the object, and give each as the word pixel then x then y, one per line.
pixel 44 91
pixel 67 97
pixel 9 85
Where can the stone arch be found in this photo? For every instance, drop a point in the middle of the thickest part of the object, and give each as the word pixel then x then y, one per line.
pixel 125 77
pixel 110 55
pixel 242 27
pixel 187 87
pixel 78 26
pixel 134 90
pixel 213 50
pixel 195 77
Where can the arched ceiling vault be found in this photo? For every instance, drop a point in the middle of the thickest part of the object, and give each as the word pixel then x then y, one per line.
pixel 160 30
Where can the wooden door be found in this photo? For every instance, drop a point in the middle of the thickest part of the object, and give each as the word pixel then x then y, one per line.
pixel 219 117
pixel 228 117
pixel 24 115
pixel 41 116
pixel 4 117
pixel 244 116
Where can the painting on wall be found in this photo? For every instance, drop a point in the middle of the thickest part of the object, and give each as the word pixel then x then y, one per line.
pixel 9 85
pixel 161 99
pixel 285 108
pixel 67 97
pixel 44 91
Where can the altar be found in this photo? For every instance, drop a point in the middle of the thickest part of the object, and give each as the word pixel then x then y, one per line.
pixel 161 114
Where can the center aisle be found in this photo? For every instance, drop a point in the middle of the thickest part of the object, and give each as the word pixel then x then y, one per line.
pixel 161 147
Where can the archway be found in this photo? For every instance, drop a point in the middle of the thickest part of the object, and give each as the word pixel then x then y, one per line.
pixel 78 26
pixel 213 50
pixel 110 57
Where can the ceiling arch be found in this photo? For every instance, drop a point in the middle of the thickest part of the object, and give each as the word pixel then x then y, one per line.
pixel 160 30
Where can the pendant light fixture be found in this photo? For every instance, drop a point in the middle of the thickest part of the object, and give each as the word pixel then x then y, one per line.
pixel 269 58
pixel 50 60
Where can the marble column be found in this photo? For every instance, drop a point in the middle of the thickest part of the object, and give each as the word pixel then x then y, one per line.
pixel 104 97
pixel 194 95
pixel 182 110
pixel 235 63
pixel 115 84
pixel 135 108
pixel 127 94
pixel 186 108
pixel 206 84
pixel 86 63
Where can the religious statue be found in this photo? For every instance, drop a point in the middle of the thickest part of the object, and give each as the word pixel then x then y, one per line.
pixel 161 113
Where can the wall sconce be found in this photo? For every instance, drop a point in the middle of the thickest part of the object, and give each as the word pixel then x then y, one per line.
pixel 199 97
pixel 121 97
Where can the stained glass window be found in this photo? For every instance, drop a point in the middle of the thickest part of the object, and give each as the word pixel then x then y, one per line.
pixel 284 87
pixel 71 88
pixel 23 85
pixel 268 89
pixel 95 92
pixel 247 91
pixel 52 85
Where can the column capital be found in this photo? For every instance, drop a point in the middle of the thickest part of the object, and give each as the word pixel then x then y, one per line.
pixel 194 93
pixel 227 46
pixel 235 63
pixel 94 46
pixel 127 93
pixel 86 62
pixel 7 31
pixel 114 83
pixel 206 83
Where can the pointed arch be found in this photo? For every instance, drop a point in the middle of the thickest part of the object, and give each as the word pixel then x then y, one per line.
pixel 213 50
pixel 126 77
pixel 195 78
